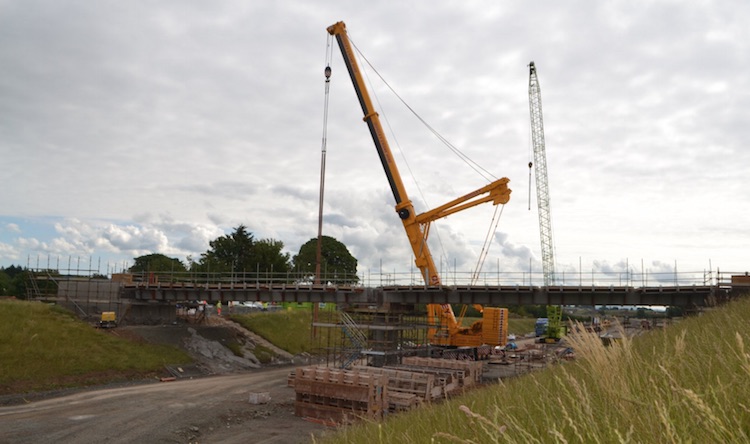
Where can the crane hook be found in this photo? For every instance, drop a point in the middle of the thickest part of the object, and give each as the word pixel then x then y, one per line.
pixel 328 73
pixel 530 165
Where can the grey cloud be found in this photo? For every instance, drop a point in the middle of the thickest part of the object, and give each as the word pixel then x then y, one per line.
pixel 198 117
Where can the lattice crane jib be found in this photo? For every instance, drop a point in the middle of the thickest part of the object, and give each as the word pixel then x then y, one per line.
pixel 540 173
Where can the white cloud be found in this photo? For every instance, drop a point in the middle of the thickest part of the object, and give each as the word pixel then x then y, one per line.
pixel 8 254
pixel 136 239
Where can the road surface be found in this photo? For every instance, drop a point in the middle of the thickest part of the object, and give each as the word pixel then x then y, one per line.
pixel 213 409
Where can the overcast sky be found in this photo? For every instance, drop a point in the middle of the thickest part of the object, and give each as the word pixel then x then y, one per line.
pixel 129 128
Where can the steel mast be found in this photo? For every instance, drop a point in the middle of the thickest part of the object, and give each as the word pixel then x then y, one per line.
pixel 540 172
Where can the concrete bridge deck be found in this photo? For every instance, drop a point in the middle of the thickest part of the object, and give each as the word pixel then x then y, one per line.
pixel 682 296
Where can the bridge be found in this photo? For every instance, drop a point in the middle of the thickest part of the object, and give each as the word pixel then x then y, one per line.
pixel 693 296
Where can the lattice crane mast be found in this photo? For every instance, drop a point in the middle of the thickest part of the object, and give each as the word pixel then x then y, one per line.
pixel 540 174
pixel 555 327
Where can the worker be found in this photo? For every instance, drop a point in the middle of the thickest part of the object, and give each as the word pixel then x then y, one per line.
pixel 218 308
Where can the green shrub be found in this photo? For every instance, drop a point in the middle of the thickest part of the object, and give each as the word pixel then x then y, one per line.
pixel 265 355
pixel 235 348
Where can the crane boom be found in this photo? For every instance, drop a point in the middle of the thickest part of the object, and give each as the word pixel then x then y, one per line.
pixel 540 173
pixel 404 207
pixel 444 327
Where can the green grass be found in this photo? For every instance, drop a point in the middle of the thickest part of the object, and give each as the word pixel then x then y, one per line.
pixel 45 347
pixel 235 348
pixel 286 329
pixel 264 354
pixel 521 326
pixel 517 326
pixel 684 384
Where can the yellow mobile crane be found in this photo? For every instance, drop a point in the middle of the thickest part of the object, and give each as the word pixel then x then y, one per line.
pixel 445 330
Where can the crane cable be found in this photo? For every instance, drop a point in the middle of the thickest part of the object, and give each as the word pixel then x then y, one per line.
pixel 465 158
pixel 472 164
pixel 319 244
pixel 487 242
pixel 393 136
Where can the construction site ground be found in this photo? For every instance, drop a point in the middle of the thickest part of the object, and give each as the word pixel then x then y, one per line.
pixel 208 401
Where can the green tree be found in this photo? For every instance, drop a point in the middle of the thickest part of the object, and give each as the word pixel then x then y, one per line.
pixel 13 270
pixel 156 262
pixel 239 252
pixel 26 284
pixel 6 283
pixel 337 263
pixel 268 254
pixel 13 281
pixel 231 252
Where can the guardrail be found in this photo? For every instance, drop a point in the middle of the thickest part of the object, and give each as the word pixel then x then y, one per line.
pixel 450 278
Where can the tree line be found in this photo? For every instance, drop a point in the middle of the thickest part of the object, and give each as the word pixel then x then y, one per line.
pixel 13 281
pixel 236 252
pixel 239 252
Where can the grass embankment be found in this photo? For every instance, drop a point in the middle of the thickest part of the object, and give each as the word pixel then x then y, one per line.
pixel 521 326
pixel 289 330
pixel 44 347
pixel 687 383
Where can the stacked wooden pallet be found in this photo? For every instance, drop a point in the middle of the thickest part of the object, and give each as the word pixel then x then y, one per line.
pixel 469 372
pixel 406 389
pixel 339 396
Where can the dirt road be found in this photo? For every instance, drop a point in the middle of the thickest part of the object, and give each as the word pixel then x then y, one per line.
pixel 212 409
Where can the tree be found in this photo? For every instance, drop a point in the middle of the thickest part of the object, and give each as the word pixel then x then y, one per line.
pixel 268 254
pixel 6 284
pixel 337 263
pixel 13 270
pixel 156 263
pixel 230 252
pixel 13 281
pixel 17 281
pixel 240 252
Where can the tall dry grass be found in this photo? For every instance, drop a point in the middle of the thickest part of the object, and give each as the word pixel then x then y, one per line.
pixel 687 383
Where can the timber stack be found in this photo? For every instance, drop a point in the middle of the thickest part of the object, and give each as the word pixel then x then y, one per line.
pixel 344 395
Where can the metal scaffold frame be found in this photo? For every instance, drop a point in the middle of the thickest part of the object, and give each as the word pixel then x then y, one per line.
pixel 365 335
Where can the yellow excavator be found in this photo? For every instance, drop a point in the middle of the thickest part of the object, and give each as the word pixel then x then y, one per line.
pixel 444 328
